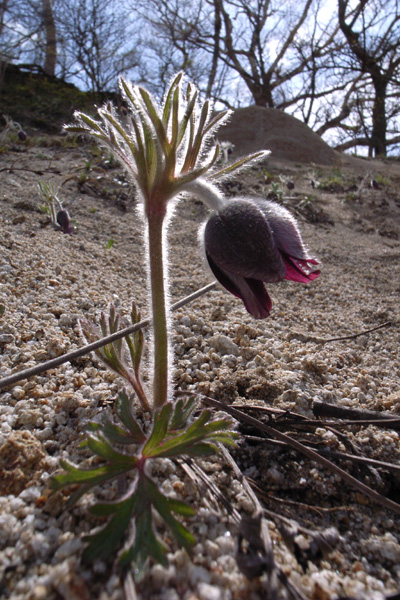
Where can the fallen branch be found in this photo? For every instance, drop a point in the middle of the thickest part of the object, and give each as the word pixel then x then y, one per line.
pixel 56 362
pixel 352 416
pixel 379 464
pixel 304 337
pixel 275 433
pixel 325 409
pixel 35 171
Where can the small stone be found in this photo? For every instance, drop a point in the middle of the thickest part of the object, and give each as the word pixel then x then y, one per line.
pixel 18 392
pixel 30 417
pixel 40 592
pixel 209 592
pixel 6 338
pixel 68 584
pixel 224 345
pixel 69 548
pixel 21 462
pixel 55 349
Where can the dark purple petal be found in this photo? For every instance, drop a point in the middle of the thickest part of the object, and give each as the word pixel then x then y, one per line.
pixel 289 242
pixel 64 221
pixel 285 229
pixel 251 291
pixel 240 241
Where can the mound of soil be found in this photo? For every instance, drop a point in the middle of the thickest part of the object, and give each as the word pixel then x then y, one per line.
pixel 257 128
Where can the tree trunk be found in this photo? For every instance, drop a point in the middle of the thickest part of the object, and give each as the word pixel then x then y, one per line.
pixel 379 123
pixel 51 38
pixel 263 98
pixel 3 10
pixel 373 65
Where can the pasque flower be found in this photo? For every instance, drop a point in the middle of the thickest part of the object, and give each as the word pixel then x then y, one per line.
pixel 249 242
pixel 167 149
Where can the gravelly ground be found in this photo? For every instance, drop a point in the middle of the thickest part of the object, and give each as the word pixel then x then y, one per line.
pixel 50 280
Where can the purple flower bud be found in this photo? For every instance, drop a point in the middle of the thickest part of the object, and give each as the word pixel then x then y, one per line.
pixel 22 135
pixel 64 221
pixel 249 242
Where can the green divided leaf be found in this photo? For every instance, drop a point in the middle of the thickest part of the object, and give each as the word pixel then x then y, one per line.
pixel 104 543
pixel 158 125
pixel 165 507
pixel 160 429
pixel 124 412
pixel 182 413
pixel 145 545
pixel 186 119
pixel 198 439
pixel 138 506
pixel 86 479
pixel 239 164
pixel 167 102
pixel 175 433
pixel 114 354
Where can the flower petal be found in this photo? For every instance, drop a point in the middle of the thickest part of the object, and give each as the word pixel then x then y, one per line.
pixel 295 269
pixel 252 291
pixel 285 229
pixel 64 221
pixel 240 241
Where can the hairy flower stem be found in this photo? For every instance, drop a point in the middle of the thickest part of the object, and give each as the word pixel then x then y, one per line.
pixel 158 291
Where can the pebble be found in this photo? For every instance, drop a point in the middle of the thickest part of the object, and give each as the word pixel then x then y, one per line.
pixel 209 592
pixel 198 574
pixel 68 548
pixel 224 345
pixel 226 544
pixel 6 338
pixel 18 392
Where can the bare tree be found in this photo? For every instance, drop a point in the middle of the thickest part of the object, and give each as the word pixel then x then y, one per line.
pixel 263 45
pixel 372 32
pixel 14 39
pixel 169 40
pixel 94 39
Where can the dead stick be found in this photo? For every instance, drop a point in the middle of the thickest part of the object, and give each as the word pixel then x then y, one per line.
pixel 355 335
pixel 270 431
pixel 325 409
pixel 56 362
pixel 359 416
pixel 379 464
pixel 265 537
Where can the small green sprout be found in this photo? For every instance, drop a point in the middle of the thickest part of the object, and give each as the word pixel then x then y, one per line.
pixel 117 354
pixel 49 193
pixel 276 192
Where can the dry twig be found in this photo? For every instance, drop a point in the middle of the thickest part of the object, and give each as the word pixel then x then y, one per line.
pixel 305 450
pixel 56 362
